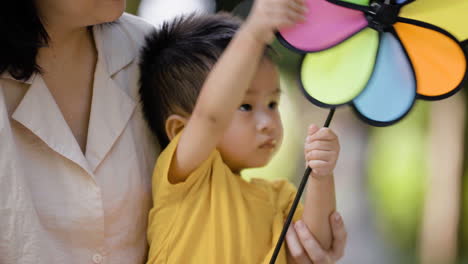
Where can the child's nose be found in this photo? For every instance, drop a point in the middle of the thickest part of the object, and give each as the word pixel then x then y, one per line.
pixel 265 123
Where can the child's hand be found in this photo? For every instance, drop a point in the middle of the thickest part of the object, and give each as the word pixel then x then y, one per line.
pixel 321 151
pixel 268 16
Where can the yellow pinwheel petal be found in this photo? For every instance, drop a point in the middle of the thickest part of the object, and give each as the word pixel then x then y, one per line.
pixel 451 15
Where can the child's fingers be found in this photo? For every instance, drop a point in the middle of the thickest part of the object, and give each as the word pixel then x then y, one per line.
pixel 322 145
pixel 300 15
pixel 282 17
pixel 293 16
pixel 324 133
pixel 295 6
pixel 318 164
pixel 301 2
pixel 279 14
pixel 290 17
pixel 320 174
pixel 313 128
pixel 321 155
pixel 298 6
pixel 320 168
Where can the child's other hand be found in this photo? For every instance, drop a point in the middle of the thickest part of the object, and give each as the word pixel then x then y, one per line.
pixel 268 16
pixel 321 151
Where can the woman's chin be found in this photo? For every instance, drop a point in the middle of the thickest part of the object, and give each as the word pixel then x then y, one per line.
pixel 114 17
pixel 113 12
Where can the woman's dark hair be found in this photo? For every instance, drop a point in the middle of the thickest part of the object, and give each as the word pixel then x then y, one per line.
pixel 22 34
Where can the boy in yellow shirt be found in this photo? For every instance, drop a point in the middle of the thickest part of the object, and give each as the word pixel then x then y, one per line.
pixel 210 94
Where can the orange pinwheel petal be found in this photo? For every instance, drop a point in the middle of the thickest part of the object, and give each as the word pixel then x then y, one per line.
pixel 438 60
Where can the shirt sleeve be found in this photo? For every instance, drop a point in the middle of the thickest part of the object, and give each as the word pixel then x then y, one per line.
pixel 286 192
pixel 163 189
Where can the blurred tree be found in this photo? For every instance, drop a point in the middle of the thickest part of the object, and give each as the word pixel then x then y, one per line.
pixel 397 172
pixel 440 218
pixel 158 11
pixel 463 227
pixel 132 6
pixel 227 5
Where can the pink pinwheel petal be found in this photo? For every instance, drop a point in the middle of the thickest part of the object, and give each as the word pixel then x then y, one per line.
pixel 326 25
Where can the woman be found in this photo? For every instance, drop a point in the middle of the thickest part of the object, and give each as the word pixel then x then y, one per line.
pixel 75 154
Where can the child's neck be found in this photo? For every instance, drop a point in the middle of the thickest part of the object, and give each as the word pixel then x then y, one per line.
pixel 236 171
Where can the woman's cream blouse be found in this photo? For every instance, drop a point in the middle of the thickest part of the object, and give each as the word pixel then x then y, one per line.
pixel 58 204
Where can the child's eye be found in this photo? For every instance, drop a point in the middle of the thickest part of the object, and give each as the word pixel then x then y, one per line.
pixel 273 105
pixel 245 107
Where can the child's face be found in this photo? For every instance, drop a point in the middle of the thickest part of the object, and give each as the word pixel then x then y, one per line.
pixel 256 131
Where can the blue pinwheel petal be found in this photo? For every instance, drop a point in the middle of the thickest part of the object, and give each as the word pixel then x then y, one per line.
pixel 401 1
pixel 391 91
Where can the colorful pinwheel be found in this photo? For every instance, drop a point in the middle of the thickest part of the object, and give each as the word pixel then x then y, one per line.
pixel 377 57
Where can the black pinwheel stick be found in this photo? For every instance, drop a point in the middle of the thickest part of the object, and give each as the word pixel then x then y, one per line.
pixel 300 190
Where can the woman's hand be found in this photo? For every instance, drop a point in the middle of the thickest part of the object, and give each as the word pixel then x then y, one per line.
pixel 303 248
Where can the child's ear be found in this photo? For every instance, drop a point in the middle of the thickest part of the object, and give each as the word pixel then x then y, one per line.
pixel 174 124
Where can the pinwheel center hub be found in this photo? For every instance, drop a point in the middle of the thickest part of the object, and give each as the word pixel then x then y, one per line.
pixel 382 16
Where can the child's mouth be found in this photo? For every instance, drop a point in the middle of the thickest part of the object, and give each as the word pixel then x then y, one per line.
pixel 269 144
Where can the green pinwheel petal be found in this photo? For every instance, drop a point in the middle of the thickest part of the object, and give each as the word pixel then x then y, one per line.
pixel 358 2
pixel 337 75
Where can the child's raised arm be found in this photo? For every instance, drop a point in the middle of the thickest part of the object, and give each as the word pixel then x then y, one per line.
pixel 227 83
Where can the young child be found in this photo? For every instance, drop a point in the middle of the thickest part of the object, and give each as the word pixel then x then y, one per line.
pixel 210 94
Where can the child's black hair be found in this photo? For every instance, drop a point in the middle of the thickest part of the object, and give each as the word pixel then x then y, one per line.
pixel 175 62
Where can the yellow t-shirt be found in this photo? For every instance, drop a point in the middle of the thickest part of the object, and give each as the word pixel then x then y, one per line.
pixel 215 216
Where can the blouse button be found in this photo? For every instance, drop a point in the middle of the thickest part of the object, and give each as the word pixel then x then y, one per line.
pixel 97 258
